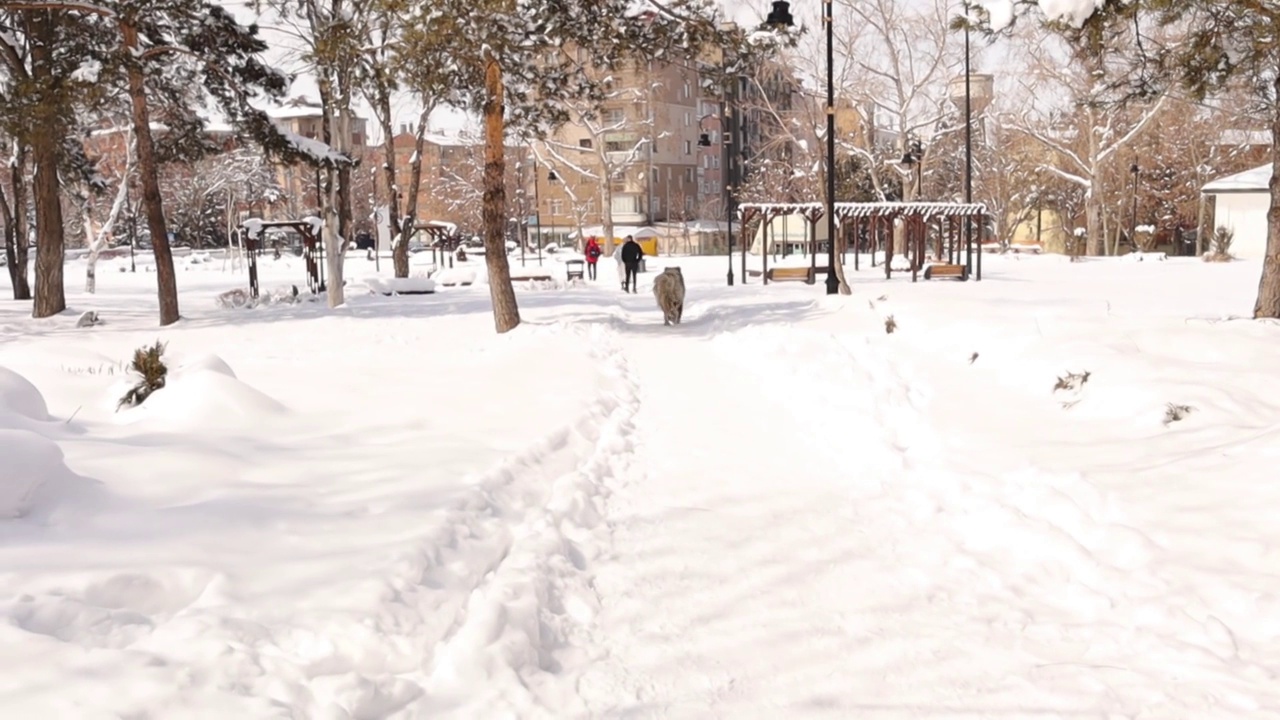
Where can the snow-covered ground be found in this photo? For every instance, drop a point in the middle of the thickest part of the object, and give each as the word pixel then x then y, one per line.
pixel 775 510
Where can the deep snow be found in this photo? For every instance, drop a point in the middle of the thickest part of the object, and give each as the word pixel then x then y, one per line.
pixel 776 509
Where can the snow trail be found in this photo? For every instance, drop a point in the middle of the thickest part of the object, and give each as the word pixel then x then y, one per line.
pixel 825 549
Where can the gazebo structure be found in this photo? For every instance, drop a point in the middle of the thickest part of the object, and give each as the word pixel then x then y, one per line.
pixel 255 234
pixel 444 238
pixel 932 235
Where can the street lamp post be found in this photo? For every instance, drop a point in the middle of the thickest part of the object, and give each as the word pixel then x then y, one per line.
pixel 537 211
pixel 968 157
pixel 780 17
pixel 1133 214
pixel 551 177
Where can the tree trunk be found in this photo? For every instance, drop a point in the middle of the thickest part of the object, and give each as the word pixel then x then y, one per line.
pixel 399 259
pixel 46 138
pixel 15 230
pixel 50 298
pixel 18 270
pixel 415 183
pixel 11 260
pixel 1268 302
pixel 166 279
pixel 98 241
pixel 838 255
pixel 506 314
pixel 606 208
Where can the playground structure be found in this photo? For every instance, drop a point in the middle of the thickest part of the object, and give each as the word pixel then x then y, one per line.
pixel 253 236
pixel 932 237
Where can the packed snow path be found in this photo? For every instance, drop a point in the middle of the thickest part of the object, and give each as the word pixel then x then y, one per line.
pixel 820 549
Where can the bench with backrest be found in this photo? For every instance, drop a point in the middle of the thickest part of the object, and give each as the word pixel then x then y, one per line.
pixel 785 274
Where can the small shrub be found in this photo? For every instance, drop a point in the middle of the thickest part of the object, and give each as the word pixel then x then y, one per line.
pixel 1220 245
pixel 148 364
pixel 890 325
pixel 1072 381
pixel 1174 412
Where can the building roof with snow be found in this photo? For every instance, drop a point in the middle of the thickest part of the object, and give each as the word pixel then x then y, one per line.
pixel 1250 181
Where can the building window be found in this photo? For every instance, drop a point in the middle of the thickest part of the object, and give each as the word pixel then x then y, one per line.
pixel 688 203
pixel 688 119
pixel 585 143
pixel 625 204
pixel 715 161
pixel 556 206
pixel 688 89
pixel 688 175
pixel 688 147
pixel 615 116
pixel 614 146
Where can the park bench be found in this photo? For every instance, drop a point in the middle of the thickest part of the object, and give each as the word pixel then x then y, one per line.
pixel 956 272
pixel 574 269
pixel 801 274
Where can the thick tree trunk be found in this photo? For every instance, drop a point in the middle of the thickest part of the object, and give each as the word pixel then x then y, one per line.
pixel 1095 237
pixel 166 279
pixel 1268 302
pixel 50 298
pixel 46 138
pixel 506 314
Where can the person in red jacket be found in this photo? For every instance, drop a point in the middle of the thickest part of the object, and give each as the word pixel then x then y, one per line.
pixel 593 253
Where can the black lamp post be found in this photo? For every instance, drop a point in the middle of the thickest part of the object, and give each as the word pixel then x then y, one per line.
pixel 551 177
pixel 968 157
pixel 537 210
pixel 780 17
pixel 1133 214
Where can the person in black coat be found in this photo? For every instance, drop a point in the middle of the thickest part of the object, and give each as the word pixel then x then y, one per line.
pixel 631 257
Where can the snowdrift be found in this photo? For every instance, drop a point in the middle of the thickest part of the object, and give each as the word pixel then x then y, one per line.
pixel 201 392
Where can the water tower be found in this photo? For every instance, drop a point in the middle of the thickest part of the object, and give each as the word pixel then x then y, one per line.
pixel 981 93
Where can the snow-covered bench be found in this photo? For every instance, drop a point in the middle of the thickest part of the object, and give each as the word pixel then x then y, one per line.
pixel 401 286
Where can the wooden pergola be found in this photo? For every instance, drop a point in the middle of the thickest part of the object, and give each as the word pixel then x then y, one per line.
pixel 444 238
pixel 310 250
pixel 871 227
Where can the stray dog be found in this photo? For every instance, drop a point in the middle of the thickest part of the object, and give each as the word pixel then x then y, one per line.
pixel 668 289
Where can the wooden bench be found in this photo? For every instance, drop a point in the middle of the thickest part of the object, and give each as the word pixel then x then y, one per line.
pixel 956 272
pixel 802 274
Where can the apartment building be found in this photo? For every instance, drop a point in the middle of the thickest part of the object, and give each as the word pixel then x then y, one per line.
pixel 300 182
pixel 451 187
pixel 643 143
